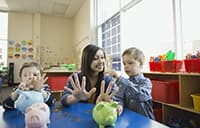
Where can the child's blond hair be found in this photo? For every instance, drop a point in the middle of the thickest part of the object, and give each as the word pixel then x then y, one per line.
pixel 30 64
pixel 136 53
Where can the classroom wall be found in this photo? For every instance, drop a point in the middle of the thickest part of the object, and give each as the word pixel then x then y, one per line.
pixel 81 29
pixel 57 37
pixel 20 27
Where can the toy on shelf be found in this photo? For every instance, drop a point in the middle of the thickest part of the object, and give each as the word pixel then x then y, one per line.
pixel 37 116
pixel 105 114
pixel 192 56
pixel 170 55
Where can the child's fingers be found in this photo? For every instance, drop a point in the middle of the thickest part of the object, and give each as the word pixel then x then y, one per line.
pixel 45 80
pixel 21 86
pixel 44 75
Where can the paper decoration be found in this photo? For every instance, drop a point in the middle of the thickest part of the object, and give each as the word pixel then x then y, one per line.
pixel 20 50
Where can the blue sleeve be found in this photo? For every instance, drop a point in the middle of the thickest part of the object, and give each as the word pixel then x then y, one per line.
pixel 66 93
pixel 140 90
pixel 50 100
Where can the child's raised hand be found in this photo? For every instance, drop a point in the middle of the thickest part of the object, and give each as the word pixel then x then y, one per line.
pixel 22 86
pixel 79 91
pixel 106 96
pixel 39 81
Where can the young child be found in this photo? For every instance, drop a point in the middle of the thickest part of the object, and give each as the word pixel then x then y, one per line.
pixel 30 79
pixel 135 92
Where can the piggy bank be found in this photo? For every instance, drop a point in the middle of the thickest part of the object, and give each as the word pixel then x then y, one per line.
pixel 27 98
pixel 37 116
pixel 105 114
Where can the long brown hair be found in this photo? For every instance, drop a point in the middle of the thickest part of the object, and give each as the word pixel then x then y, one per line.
pixel 87 57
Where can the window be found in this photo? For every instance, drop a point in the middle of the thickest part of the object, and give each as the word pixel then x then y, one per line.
pixel 190 26
pixel 110 39
pixel 3 39
pixel 148 25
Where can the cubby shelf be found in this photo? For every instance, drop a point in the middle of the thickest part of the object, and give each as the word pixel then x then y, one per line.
pixel 189 83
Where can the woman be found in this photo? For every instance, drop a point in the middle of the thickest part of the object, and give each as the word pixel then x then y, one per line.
pixel 89 84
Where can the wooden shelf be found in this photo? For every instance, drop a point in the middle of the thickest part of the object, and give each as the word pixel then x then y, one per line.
pixel 189 108
pixel 189 83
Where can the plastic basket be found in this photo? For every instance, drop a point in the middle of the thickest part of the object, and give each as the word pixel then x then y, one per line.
pixel 166 91
pixel 158 66
pixel 192 65
pixel 196 101
pixel 173 66
pixel 151 66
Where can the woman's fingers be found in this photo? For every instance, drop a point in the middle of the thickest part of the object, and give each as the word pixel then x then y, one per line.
pixel 83 83
pixel 102 87
pixel 77 81
pixel 108 90
pixel 92 91
pixel 72 83
pixel 116 89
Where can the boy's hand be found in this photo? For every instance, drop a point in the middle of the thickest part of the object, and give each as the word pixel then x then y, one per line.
pixel 106 96
pixel 113 73
pixel 119 110
pixel 79 92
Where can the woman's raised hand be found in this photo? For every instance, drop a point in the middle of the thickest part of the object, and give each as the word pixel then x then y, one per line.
pixel 107 96
pixel 79 91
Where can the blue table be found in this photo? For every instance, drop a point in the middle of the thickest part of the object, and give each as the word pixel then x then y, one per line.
pixel 77 116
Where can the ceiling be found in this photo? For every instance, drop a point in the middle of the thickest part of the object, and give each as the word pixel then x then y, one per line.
pixel 65 8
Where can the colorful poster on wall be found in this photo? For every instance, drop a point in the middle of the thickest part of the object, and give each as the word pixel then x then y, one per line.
pixel 20 49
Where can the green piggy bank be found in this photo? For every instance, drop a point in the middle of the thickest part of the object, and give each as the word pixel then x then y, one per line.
pixel 105 114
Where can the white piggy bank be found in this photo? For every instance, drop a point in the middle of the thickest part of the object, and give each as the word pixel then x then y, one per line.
pixel 37 116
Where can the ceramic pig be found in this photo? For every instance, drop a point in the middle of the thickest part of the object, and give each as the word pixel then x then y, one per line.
pixel 37 116
pixel 105 114
pixel 27 98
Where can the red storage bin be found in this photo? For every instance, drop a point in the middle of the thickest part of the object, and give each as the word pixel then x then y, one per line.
pixel 192 65
pixel 57 83
pixel 151 66
pixel 165 91
pixel 173 66
pixel 158 66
